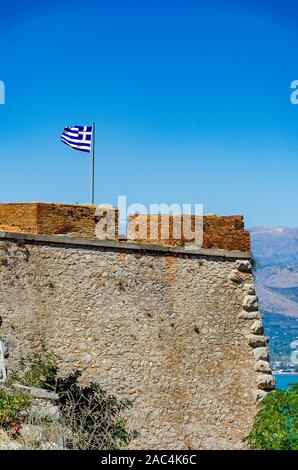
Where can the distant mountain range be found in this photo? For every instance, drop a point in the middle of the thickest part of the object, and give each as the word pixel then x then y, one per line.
pixel 275 246
pixel 275 251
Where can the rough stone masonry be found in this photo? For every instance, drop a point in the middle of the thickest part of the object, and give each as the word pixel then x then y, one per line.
pixel 178 332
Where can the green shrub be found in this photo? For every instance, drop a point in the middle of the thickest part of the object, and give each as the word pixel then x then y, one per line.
pixel 276 423
pixel 12 405
pixel 39 369
pixel 94 418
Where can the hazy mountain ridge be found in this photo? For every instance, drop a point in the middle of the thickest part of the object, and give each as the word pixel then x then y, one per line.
pixel 275 251
pixel 275 246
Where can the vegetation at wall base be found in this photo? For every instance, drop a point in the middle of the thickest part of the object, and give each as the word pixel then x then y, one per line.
pixel 94 417
pixel 12 406
pixel 276 423
pixel 38 369
pixel 90 418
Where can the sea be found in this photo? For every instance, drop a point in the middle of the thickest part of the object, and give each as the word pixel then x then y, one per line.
pixel 283 380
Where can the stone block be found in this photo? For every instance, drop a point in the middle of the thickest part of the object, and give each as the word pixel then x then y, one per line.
pixel 256 341
pixel 249 315
pixel 243 265
pixel 250 303
pixel 265 381
pixel 257 328
pixel 261 353
pixel 263 366
pixel 249 289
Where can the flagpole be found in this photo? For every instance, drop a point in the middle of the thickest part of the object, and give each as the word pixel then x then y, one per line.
pixel 92 163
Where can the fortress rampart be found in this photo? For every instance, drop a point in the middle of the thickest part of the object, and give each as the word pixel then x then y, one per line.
pixel 224 232
pixel 177 331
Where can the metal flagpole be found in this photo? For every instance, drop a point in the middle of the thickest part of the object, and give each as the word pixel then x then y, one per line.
pixel 92 163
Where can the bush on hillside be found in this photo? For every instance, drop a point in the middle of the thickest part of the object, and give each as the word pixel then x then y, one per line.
pixel 92 418
pixel 276 423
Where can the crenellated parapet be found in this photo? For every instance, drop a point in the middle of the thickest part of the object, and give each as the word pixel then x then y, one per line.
pixel 102 222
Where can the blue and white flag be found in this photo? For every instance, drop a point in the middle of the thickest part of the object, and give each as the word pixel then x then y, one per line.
pixel 78 137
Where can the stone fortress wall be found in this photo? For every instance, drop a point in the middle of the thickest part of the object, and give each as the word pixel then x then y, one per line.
pixel 174 329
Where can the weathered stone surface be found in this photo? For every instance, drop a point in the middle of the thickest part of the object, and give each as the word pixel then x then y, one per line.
pixel 37 392
pixel 5 348
pixel 86 358
pixel 265 382
pixel 38 217
pixel 250 303
pixel 224 232
pixel 249 315
pixel 249 289
pixel 236 276
pixel 127 319
pixel 3 369
pixel 31 433
pixel 45 410
pixel 260 394
pixel 257 340
pixel 263 366
pixel 257 328
pixel 7 443
pixel 261 353
pixel 243 265
pixel 44 436
pixel 52 445
pixel 106 219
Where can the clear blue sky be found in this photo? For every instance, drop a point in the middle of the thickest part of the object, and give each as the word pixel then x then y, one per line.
pixel 191 101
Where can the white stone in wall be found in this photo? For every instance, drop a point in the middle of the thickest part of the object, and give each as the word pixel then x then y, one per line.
pixel 263 366
pixel 257 328
pixel 260 394
pixel 249 315
pixel 250 303
pixel 256 341
pixel 249 289
pixel 3 372
pixel 261 353
pixel 235 276
pixel 243 265
pixel 265 381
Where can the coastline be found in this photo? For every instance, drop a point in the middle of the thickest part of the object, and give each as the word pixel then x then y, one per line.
pixel 283 380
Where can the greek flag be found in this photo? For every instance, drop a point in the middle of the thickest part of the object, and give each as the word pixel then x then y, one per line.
pixel 78 137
